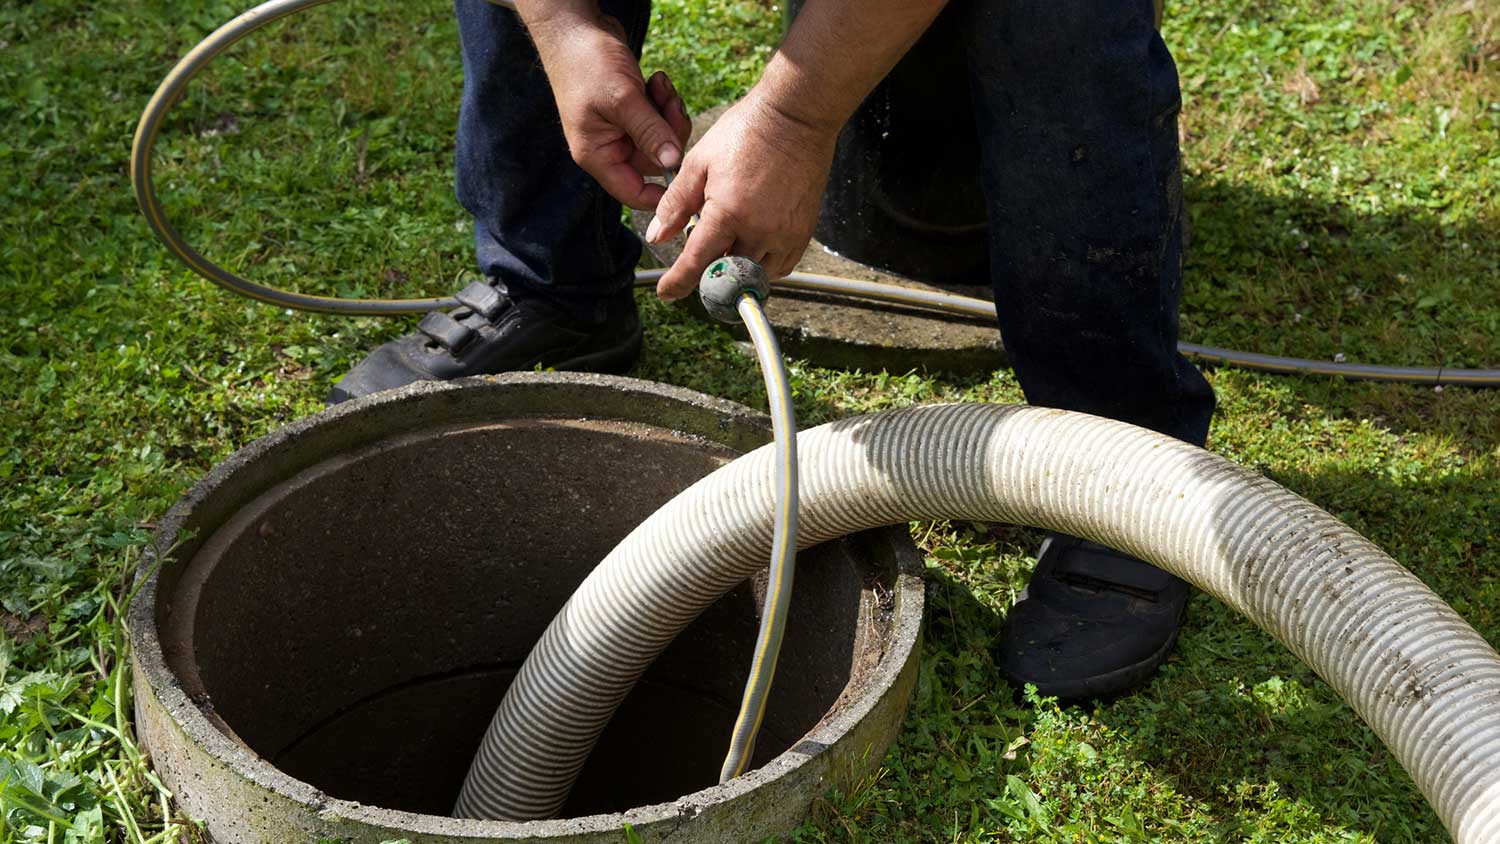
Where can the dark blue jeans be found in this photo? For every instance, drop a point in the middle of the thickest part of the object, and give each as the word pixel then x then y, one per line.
pixel 541 224
pixel 1076 103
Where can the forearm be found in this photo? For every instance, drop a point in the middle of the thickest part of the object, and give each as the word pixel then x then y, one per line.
pixel 543 15
pixel 836 52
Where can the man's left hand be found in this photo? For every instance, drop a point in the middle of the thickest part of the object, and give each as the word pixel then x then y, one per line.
pixel 756 181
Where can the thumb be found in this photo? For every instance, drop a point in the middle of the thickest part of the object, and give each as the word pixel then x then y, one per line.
pixel 682 200
pixel 651 132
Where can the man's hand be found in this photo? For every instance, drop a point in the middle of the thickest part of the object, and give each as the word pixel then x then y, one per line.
pixel 756 180
pixel 757 177
pixel 619 127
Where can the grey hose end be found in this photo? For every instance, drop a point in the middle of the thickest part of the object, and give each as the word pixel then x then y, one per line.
pixel 723 282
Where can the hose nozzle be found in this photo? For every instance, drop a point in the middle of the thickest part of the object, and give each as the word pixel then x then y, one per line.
pixel 725 280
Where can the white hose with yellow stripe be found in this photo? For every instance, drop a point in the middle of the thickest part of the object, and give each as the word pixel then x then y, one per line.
pixel 783 542
pixel 520 772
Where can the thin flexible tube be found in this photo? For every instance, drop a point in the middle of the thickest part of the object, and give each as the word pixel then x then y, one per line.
pixel 167 94
pixel 968 306
pixel 783 566
pixel 1426 683
pixel 175 84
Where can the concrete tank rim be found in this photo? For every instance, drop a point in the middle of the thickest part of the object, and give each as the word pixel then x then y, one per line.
pixel 152 668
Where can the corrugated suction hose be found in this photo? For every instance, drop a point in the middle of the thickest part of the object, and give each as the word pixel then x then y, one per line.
pixel 1421 677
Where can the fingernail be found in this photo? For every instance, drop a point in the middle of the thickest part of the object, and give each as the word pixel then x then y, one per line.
pixel 681 107
pixel 669 156
pixel 653 230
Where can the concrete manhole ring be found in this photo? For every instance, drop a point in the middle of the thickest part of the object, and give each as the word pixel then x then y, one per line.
pixel 341 603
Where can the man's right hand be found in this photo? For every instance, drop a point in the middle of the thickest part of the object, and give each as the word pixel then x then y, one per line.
pixel 620 128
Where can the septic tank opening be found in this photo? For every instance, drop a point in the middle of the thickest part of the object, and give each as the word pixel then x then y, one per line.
pixel 357 624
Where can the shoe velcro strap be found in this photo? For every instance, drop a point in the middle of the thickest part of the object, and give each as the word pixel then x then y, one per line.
pixel 446 331
pixel 1109 569
pixel 482 299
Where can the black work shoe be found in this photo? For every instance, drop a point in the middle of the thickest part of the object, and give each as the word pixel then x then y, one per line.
pixel 1092 624
pixel 493 332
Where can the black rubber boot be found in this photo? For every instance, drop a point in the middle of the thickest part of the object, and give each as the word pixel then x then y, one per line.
pixel 493 332
pixel 1093 624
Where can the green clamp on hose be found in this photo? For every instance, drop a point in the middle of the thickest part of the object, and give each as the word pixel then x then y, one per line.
pixel 725 280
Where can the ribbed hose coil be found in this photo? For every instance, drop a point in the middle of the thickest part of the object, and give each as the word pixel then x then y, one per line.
pixel 1417 673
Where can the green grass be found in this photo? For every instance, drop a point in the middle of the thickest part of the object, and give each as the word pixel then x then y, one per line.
pixel 1342 165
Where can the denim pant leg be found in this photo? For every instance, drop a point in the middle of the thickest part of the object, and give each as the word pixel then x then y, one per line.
pixel 541 224
pixel 1076 103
